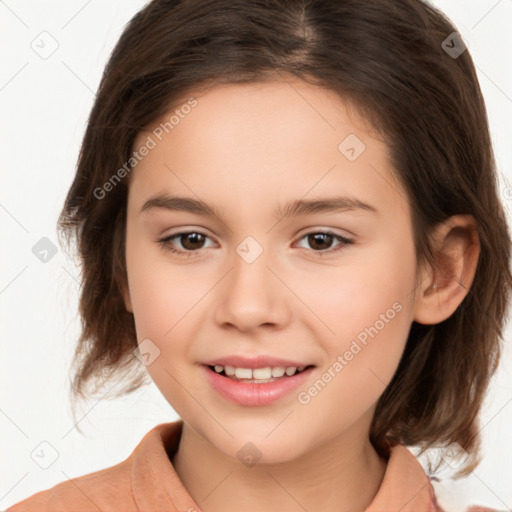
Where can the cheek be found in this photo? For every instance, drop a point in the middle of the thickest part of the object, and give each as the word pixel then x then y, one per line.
pixel 360 362
pixel 161 293
pixel 162 298
pixel 368 308
pixel 363 291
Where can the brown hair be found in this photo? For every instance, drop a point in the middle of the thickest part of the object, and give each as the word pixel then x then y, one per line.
pixel 387 59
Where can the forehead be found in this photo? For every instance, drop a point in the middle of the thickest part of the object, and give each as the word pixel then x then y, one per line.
pixel 279 139
pixel 289 109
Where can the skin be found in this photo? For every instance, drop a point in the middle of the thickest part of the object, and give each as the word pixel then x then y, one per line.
pixel 247 148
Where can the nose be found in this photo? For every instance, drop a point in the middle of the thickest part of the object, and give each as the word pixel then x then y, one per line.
pixel 252 295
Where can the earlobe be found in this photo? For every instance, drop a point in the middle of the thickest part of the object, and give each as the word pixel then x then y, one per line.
pixel 442 290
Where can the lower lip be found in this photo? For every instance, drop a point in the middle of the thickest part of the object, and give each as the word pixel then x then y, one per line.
pixel 252 394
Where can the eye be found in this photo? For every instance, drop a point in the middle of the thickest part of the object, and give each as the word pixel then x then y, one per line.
pixel 189 240
pixel 192 241
pixel 319 239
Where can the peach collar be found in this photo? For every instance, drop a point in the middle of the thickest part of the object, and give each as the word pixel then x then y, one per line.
pixel 157 486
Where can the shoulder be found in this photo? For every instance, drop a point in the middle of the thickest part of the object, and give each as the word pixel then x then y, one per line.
pixel 92 492
pixel 146 478
pixel 406 487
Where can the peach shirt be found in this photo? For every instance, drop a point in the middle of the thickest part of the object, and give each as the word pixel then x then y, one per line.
pixel 147 482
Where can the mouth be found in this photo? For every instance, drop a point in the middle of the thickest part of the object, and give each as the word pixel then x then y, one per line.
pixel 257 386
pixel 258 375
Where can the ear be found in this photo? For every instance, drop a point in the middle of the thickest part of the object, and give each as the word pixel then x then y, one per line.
pixel 456 248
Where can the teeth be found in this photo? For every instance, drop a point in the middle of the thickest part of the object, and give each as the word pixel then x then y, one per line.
pixel 278 371
pixel 230 370
pixel 243 373
pixel 263 374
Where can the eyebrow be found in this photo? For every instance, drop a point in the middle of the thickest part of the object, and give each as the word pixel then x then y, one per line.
pixel 293 208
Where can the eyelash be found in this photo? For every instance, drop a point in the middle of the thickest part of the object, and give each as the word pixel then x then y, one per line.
pixel 165 243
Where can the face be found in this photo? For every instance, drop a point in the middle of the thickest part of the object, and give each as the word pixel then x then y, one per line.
pixel 328 289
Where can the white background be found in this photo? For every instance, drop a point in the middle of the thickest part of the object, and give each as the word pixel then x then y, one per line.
pixel 45 104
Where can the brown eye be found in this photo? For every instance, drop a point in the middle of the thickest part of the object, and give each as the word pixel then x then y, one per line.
pixel 321 242
pixel 190 242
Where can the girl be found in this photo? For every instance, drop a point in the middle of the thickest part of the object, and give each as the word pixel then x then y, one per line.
pixel 287 215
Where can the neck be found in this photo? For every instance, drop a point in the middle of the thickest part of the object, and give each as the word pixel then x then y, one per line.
pixel 341 475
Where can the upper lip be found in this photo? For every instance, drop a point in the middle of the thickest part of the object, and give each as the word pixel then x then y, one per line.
pixel 261 361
